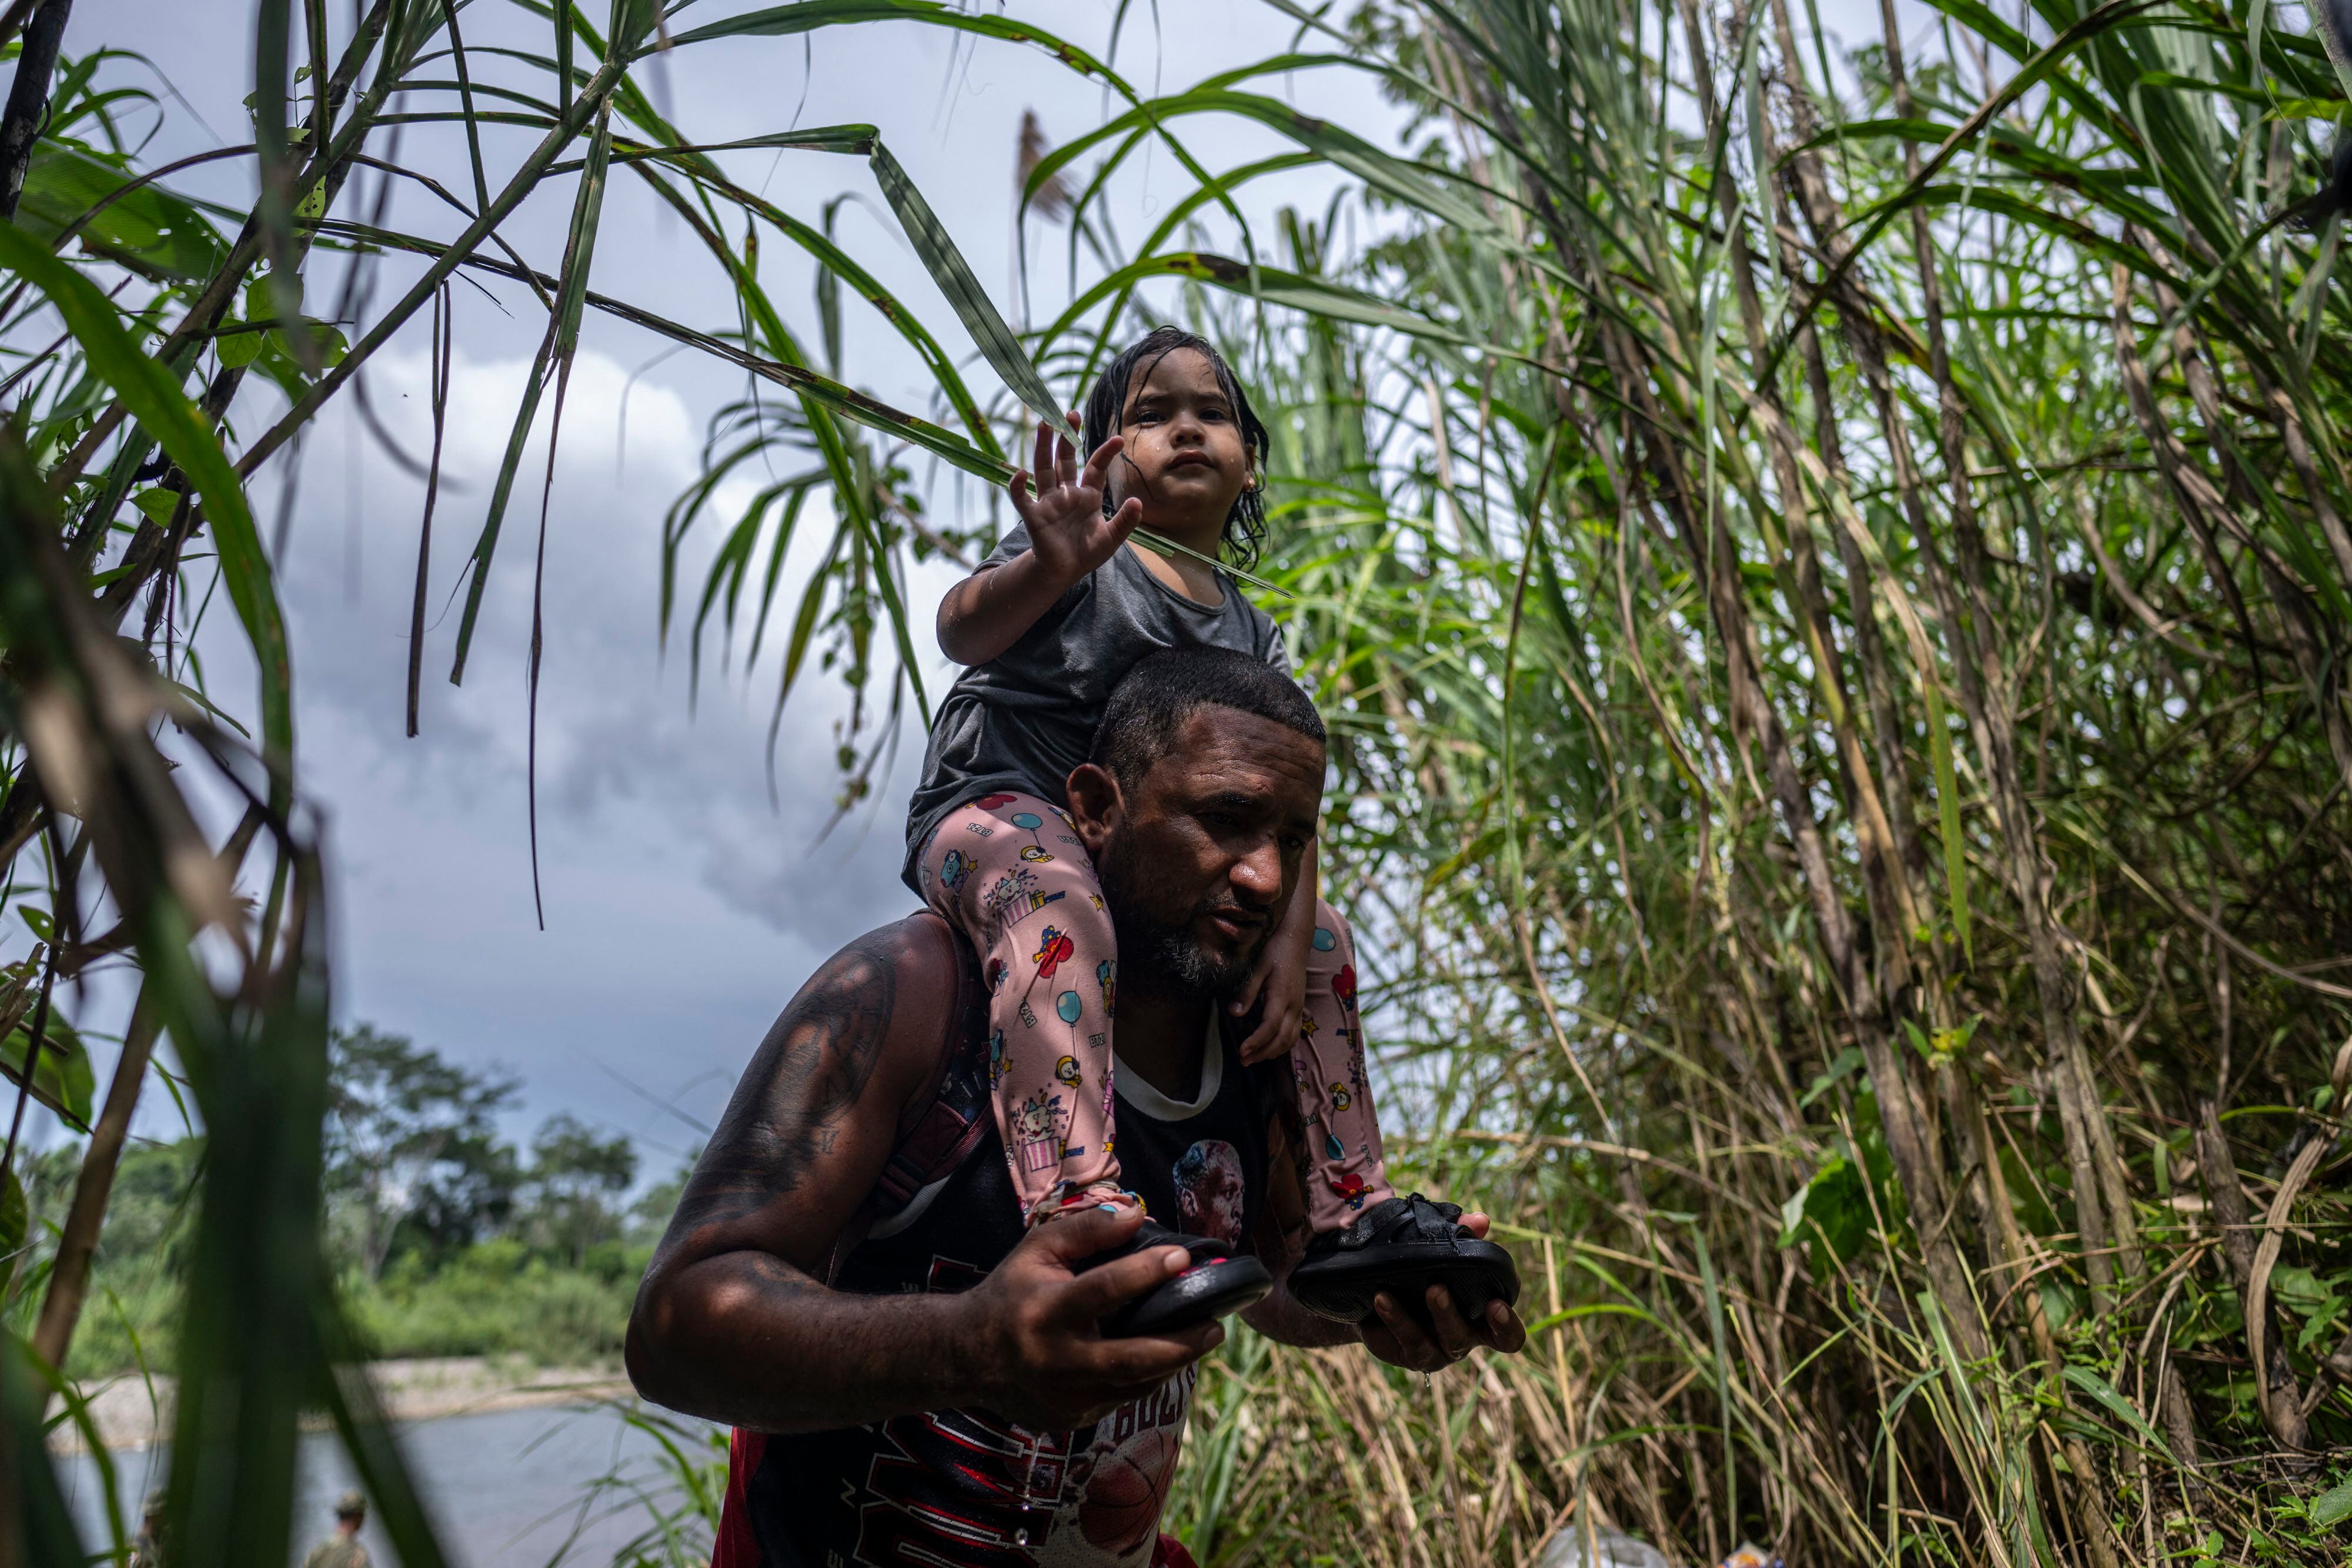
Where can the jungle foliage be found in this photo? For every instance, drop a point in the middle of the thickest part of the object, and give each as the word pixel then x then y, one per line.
pixel 1829 573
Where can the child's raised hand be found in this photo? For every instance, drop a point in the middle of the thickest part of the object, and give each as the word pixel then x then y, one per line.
pixel 1067 531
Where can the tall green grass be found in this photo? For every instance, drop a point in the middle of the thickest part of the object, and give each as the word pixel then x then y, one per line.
pixel 1829 580
pixel 1829 577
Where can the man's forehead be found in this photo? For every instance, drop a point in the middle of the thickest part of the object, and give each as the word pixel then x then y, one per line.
pixel 1220 745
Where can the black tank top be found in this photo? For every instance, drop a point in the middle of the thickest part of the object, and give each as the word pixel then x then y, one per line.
pixel 968 1487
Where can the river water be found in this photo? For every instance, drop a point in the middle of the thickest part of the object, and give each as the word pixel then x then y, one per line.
pixel 505 1488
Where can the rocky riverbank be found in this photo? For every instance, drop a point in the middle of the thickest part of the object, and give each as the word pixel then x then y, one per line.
pixel 132 1412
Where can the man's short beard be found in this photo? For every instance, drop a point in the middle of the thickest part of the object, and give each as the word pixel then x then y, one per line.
pixel 1159 955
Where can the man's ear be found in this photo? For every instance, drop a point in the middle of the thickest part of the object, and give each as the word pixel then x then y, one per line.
pixel 1096 805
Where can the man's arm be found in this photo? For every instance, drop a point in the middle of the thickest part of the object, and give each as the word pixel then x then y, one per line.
pixel 733 1322
pixel 1398 1338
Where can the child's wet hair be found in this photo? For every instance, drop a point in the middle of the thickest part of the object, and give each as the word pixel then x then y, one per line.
pixel 1245 524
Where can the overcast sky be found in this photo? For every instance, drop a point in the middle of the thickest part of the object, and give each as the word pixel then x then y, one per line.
pixel 682 909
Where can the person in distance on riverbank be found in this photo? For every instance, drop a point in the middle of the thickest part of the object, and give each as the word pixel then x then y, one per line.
pixel 343 1549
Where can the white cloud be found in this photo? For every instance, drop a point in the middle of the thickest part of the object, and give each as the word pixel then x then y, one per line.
pixel 682 908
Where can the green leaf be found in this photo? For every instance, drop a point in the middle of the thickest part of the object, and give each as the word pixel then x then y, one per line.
pixel 2100 1389
pixel 1833 1207
pixel 787 21
pixel 13 1216
pixel 328 346
pixel 163 410
pixel 2333 1505
pixel 63 1080
pixel 554 361
pixel 1848 1062
pixel 148 230
pixel 954 275
pixel 1948 811
pixel 1288 289
pixel 261 295
pixel 157 505
pixel 239 348
pixel 39 1517
pixel 1410 184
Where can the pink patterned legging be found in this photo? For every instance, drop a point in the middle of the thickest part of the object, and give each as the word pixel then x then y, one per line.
pixel 1007 870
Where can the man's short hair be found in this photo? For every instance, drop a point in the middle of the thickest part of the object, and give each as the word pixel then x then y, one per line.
pixel 1154 700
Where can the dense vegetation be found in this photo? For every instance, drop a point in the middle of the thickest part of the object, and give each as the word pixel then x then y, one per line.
pixel 446 1238
pixel 1837 609
pixel 1830 573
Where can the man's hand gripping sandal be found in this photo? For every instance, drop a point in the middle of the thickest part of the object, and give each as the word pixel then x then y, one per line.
pixel 1403 1246
pixel 1218 1282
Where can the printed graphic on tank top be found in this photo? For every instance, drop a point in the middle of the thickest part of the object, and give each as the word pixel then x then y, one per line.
pixel 969 1487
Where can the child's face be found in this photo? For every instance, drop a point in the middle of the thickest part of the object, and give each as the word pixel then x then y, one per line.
pixel 1184 454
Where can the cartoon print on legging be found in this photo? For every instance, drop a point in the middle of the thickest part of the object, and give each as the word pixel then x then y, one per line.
pixel 1037 1129
pixel 1052 950
pixel 954 868
pixel 999 1058
pixel 1208 1192
pixel 1014 896
pixel 1036 937
pixel 1029 822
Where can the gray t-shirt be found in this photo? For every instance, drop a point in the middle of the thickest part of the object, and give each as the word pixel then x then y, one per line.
pixel 1025 719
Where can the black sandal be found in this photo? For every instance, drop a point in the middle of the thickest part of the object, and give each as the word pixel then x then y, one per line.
pixel 1217 1283
pixel 1403 1246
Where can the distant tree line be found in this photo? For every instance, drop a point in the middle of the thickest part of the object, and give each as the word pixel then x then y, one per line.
pixel 449 1237
pixel 415 1165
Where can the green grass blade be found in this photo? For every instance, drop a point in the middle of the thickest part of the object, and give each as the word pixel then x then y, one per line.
pixel 1948 811
pixel 163 411
pixel 953 275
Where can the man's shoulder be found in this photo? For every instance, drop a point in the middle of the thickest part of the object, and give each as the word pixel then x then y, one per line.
pixel 913 960
pixel 894 996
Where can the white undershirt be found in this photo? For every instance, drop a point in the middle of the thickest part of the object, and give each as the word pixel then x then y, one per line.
pixel 1137 1091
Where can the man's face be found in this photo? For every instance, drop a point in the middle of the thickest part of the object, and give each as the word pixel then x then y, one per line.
pixel 1199 857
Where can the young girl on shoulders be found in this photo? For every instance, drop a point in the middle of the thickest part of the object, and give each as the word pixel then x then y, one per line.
pixel 1048 625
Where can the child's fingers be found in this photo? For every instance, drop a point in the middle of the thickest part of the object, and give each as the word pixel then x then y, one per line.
pixel 1259 1045
pixel 1065 459
pixel 1017 490
pixel 1098 465
pixel 1044 461
pixel 1246 997
pixel 1124 521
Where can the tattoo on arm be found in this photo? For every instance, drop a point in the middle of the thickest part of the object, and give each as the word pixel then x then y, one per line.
pixel 810 1071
